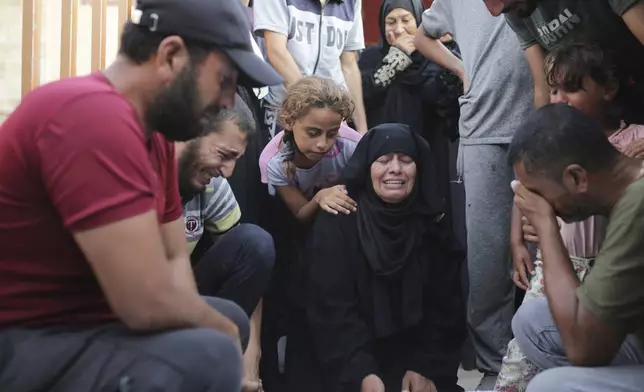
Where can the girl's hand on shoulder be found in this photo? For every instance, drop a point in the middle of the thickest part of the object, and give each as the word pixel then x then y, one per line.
pixel 335 200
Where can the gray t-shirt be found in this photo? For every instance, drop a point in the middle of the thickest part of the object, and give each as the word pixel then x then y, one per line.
pixel 558 22
pixel 500 93
pixel 316 39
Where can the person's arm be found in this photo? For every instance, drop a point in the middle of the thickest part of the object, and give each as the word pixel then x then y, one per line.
pixel 280 58
pixel 591 317
pixel 140 283
pixel 436 51
pixel 349 63
pixel 176 250
pixel 253 353
pixel 521 258
pixel 100 182
pixel 632 12
pixel 271 21
pixel 437 341
pixel 516 227
pixel 379 72
pixel 341 339
pixel 535 57
pixel 437 22
pixel 173 226
pixel 588 340
pixel 302 209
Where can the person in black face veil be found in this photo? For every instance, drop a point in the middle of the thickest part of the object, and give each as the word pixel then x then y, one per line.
pixel 385 307
pixel 400 85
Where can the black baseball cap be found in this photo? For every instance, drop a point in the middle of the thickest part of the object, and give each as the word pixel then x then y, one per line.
pixel 223 24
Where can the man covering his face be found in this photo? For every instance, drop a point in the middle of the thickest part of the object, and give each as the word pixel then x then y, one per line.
pixel 566 167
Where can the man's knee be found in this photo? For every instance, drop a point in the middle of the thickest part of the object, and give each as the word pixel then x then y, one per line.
pixel 260 244
pixel 553 380
pixel 235 313
pixel 207 358
pixel 528 320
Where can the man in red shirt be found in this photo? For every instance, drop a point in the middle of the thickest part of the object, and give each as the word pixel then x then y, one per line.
pixel 96 289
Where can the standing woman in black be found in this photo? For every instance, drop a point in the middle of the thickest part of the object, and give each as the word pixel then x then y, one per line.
pixel 400 85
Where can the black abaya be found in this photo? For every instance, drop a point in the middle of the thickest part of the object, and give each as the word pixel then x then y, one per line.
pixel 385 294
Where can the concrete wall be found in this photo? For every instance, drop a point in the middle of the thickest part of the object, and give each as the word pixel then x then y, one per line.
pixel 11 46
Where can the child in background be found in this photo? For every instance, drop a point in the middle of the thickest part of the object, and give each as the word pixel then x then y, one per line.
pixel 583 77
pixel 303 162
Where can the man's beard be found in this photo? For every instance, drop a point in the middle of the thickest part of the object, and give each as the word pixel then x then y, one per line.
pixel 176 111
pixel 187 169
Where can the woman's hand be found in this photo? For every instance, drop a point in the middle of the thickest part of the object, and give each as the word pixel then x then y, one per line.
pixel 414 382
pixel 335 200
pixel 372 383
pixel 405 42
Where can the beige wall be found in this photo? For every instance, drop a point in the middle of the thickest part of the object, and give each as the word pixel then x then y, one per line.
pixel 11 46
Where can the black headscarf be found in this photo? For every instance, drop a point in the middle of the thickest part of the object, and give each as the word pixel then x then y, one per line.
pixel 413 74
pixel 415 7
pixel 393 238
pixel 390 233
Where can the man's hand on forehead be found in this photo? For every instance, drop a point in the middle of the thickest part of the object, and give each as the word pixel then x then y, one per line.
pixel 533 206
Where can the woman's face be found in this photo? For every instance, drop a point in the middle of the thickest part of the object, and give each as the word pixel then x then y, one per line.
pixel 393 176
pixel 591 99
pixel 399 21
pixel 316 132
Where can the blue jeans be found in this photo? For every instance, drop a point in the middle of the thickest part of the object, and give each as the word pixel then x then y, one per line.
pixel 238 266
pixel 538 337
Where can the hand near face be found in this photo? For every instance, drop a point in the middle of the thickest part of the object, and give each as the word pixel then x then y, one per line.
pixel 335 200
pixel 372 383
pixel 535 208
pixel 404 42
pixel 414 382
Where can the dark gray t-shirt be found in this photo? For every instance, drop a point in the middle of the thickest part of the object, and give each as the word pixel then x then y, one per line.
pixel 558 22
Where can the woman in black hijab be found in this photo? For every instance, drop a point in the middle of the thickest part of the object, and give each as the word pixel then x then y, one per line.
pixel 400 85
pixel 385 308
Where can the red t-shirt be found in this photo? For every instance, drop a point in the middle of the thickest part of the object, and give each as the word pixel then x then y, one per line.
pixel 73 156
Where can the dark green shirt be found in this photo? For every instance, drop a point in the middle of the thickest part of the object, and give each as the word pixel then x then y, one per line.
pixel 614 290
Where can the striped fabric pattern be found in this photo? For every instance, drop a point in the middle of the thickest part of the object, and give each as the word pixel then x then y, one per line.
pixel 215 210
